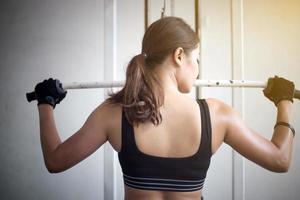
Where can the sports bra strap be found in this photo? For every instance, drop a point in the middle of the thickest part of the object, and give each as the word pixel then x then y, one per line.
pixel 127 135
pixel 206 126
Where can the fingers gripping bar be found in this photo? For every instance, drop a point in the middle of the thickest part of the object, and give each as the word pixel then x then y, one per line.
pixel 204 83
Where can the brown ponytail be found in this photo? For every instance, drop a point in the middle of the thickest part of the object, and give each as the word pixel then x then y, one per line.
pixel 143 95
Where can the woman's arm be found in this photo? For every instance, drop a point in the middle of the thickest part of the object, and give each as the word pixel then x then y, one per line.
pixel 60 156
pixel 283 136
pixel 274 155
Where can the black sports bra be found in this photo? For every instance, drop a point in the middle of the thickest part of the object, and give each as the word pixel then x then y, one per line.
pixel 147 172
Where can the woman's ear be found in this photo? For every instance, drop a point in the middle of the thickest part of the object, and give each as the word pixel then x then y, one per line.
pixel 178 56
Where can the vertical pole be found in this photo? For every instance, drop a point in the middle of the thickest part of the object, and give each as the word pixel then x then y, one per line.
pixel 237 46
pixel 197 29
pixel 146 13
pixel 109 67
pixel 163 10
pixel 197 16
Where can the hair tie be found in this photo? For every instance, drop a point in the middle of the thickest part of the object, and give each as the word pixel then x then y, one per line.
pixel 144 55
pixel 140 103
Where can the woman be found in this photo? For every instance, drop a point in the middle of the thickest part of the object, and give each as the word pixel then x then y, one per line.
pixel 163 137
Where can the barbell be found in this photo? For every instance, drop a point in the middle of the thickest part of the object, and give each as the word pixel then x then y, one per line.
pixel 204 83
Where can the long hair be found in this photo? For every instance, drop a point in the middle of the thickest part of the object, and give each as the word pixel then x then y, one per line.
pixel 143 95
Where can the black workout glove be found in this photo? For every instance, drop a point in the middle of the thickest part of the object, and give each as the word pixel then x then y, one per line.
pixel 279 89
pixel 49 92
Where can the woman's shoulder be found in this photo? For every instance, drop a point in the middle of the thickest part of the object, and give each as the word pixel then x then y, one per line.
pixel 110 110
pixel 108 113
pixel 218 106
pixel 111 116
pixel 214 103
pixel 114 109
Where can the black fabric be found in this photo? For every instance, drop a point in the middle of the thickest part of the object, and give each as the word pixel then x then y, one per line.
pixel 50 91
pixel 145 171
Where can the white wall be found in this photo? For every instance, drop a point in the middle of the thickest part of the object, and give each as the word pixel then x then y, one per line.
pixel 251 40
pixel 38 40
pixel 216 64
pixel 272 46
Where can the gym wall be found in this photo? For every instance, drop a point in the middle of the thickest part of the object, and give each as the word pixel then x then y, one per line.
pixel 41 39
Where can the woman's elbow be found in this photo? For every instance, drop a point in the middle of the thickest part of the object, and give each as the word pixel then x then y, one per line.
pixel 52 170
pixel 282 164
pixel 53 167
pixel 283 167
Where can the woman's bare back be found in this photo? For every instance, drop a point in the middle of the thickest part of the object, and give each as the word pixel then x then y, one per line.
pixel 178 135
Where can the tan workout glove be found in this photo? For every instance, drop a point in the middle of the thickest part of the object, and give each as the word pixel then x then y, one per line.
pixel 279 89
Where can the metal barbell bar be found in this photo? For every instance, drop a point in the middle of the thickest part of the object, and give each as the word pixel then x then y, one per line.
pixel 204 83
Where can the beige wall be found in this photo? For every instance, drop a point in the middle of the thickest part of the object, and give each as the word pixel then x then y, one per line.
pixel 272 46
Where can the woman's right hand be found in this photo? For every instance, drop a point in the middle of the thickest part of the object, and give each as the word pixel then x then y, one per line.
pixel 50 92
pixel 279 89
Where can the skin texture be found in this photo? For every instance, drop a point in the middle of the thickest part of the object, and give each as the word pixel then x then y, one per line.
pixel 179 134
